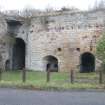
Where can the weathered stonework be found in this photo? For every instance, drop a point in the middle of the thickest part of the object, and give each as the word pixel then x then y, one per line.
pixel 64 35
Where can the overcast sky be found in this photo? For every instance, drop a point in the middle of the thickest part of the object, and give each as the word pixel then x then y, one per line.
pixel 42 4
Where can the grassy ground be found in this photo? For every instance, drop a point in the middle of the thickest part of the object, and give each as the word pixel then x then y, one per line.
pixel 59 81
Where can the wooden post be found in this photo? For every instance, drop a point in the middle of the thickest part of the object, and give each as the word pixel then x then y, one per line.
pixel 48 75
pixel 0 74
pixel 100 77
pixel 24 75
pixel 72 76
pixel 1 67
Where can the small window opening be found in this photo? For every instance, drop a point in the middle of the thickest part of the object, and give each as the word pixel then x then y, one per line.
pixel 59 49
pixel 78 49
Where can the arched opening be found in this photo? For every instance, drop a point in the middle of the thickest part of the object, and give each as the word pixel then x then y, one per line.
pixel 87 62
pixel 18 54
pixel 51 62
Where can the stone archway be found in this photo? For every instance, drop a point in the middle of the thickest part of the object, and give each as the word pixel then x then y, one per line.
pixel 18 58
pixel 87 62
pixel 51 62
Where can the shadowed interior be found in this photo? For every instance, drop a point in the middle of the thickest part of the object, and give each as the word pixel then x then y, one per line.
pixel 87 62
pixel 19 54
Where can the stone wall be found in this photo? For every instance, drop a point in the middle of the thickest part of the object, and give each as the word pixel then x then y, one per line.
pixel 64 35
pixel 3 46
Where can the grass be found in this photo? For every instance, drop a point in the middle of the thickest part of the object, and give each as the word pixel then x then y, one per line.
pixel 33 76
pixel 59 81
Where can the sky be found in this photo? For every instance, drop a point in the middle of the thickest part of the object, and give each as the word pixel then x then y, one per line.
pixel 43 4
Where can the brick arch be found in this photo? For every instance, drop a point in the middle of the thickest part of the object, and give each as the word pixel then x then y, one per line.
pixel 19 37
pixel 50 62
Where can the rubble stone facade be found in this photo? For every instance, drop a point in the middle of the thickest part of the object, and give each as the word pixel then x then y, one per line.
pixel 63 40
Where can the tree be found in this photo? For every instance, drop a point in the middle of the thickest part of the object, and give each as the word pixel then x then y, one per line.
pixel 99 5
pixel 100 51
pixel 69 9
